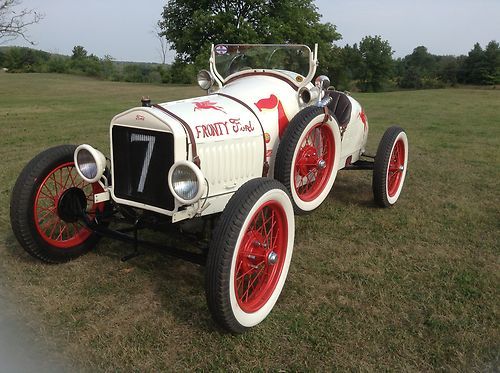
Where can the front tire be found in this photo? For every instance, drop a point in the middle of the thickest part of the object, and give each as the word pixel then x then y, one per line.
pixel 250 255
pixel 391 164
pixel 307 158
pixel 36 207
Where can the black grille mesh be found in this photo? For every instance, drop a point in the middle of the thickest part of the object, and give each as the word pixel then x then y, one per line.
pixel 141 161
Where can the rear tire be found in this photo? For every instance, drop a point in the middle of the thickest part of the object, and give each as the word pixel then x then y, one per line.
pixel 391 163
pixel 34 207
pixel 250 255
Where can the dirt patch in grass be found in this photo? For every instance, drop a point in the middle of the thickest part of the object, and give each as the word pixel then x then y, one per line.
pixel 414 287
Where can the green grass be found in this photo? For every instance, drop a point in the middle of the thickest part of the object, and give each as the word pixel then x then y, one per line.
pixel 414 287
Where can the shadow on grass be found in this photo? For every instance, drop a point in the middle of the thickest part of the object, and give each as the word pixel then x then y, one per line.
pixel 178 286
pixel 353 188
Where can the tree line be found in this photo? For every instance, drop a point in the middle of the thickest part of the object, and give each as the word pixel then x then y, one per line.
pixel 368 66
pixel 28 60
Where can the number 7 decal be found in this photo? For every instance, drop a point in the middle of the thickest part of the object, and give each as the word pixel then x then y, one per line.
pixel 147 158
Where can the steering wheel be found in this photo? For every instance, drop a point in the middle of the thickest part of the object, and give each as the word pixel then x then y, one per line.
pixel 235 63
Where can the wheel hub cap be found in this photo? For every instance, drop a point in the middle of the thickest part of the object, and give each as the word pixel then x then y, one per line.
pixel 308 160
pixel 72 204
pixel 272 258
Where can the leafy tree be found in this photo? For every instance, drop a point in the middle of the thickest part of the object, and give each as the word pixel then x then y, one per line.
pixel 107 66
pixel 182 73
pixel 475 67
pixel 21 59
pixel 448 69
pixel 423 60
pixel 14 22
pixel 79 53
pixel 492 58
pixel 377 63
pixel 57 64
pixel 345 66
pixel 243 21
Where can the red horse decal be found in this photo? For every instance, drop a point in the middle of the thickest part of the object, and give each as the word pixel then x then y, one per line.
pixel 205 105
pixel 272 103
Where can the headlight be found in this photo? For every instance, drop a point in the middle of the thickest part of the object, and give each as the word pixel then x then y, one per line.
pixel 90 163
pixel 186 182
pixel 205 80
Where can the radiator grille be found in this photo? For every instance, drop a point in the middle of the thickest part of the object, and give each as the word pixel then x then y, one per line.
pixel 141 161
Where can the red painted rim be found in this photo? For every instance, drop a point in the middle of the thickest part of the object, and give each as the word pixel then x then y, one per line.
pixel 318 146
pixel 396 168
pixel 255 276
pixel 51 228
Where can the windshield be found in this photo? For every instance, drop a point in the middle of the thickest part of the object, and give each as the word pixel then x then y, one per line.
pixel 233 58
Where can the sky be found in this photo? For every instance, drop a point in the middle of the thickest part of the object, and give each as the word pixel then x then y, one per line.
pixel 123 29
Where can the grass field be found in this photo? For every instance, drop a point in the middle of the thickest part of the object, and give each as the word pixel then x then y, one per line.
pixel 411 288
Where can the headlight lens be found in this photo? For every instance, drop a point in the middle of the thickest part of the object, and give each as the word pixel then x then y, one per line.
pixel 90 163
pixel 86 164
pixel 205 80
pixel 186 182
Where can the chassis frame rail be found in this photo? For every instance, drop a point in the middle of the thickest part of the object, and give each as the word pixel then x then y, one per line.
pixel 100 229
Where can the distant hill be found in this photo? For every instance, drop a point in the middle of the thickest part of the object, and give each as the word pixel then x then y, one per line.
pixel 28 60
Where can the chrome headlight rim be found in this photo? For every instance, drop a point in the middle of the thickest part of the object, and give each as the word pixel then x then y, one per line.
pixel 205 79
pixel 200 180
pixel 98 159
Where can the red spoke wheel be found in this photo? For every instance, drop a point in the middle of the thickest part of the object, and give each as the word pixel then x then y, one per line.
pixel 63 233
pixel 250 254
pixel 39 207
pixel 307 158
pixel 391 163
pixel 313 163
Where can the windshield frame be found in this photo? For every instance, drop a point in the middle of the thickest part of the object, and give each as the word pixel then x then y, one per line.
pixel 313 63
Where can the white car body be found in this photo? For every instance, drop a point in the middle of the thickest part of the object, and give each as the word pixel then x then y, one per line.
pixel 236 131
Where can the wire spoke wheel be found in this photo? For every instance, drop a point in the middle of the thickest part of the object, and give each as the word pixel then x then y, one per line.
pixel 307 158
pixel 396 168
pixel 261 256
pixel 46 203
pixel 250 254
pixel 51 227
pixel 314 162
pixel 391 163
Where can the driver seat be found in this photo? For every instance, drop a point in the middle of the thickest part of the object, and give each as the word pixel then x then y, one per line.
pixel 340 107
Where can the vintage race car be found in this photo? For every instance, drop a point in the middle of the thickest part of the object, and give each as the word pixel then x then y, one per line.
pixel 230 168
